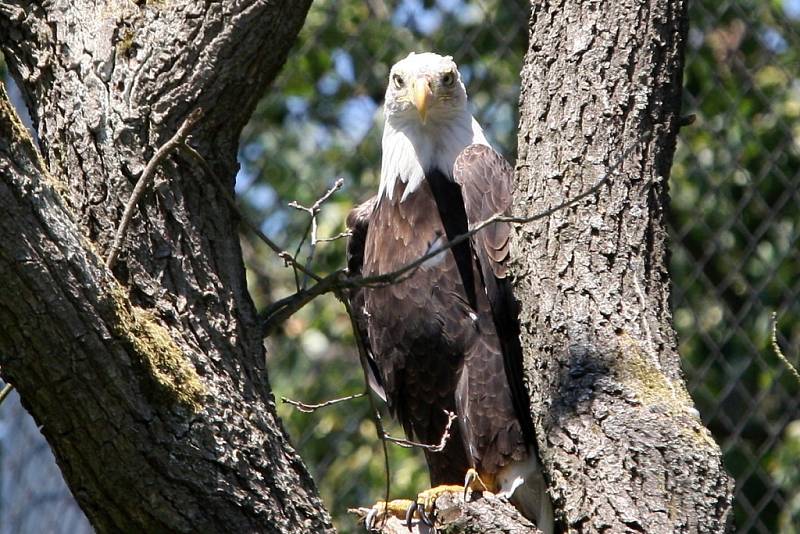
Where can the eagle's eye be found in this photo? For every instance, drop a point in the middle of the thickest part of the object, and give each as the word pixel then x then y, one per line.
pixel 398 81
pixel 448 78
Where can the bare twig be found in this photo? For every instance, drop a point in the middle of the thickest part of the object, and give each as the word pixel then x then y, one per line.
pixel 437 447
pixel 7 389
pixel 313 211
pixel 146 178
pixel 336 237
pixel 777 348
pixel 284 308
pixel 310 408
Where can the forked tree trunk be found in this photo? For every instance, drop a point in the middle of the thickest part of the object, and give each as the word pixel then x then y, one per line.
pixel 620 439
pixel 149 385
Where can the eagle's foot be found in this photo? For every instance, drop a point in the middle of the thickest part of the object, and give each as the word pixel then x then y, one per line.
pixel 427 498
pixel 381 510
pixel 425 504
pixel 424 507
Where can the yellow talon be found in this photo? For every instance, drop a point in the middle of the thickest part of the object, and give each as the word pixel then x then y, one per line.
pixel 424 506
pixel 382 510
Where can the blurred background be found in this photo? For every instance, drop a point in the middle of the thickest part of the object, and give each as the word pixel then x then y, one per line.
pixel 735 225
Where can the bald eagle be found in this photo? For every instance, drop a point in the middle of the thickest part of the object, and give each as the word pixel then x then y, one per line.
pixel 445 338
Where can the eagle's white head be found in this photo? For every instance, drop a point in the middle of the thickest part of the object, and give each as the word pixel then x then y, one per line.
pixel 428 122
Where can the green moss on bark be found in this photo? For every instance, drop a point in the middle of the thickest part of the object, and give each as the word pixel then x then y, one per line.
pixel 648 382
pixel 164 365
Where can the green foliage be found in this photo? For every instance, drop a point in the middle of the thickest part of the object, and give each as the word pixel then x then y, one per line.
pixel 736 223
pixel 783 466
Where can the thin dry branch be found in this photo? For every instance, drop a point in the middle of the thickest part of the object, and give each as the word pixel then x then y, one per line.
pixel 313 211
pixel 146 179
pixel 310 408
pixel 336 237
pixel 284 308
pixel 376 414
pixel 438 447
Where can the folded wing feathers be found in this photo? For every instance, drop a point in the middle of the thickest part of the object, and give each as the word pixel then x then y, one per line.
pixel 485 178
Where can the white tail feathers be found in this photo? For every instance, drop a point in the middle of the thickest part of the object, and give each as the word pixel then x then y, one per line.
pixel 523 484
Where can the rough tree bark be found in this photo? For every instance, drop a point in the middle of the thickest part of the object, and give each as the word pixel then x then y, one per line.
pixel 149 384
pixel 621 442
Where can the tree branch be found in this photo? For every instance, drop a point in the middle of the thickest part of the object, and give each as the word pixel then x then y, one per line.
pixel 484 514
pixel 151 387
pixel 432 447
pixel 146 179
pixel 284 308
pixel 311 408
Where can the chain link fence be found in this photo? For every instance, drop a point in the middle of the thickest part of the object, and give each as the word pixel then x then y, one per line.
pixel 735 225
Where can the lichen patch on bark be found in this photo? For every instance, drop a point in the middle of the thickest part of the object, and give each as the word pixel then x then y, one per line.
pixel 14 132
pixel 648 382
pixel 168 369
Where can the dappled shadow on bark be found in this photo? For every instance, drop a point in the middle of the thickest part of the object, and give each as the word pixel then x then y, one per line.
pixel 577 385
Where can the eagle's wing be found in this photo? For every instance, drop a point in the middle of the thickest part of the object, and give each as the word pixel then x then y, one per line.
pixel 486 181
pixel 358 225
pixel 485 178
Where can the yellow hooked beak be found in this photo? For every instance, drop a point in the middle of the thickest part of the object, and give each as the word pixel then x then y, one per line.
pixel 422 95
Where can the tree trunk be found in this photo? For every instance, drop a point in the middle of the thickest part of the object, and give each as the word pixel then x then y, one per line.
pixel 620 439
pixel 148 383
